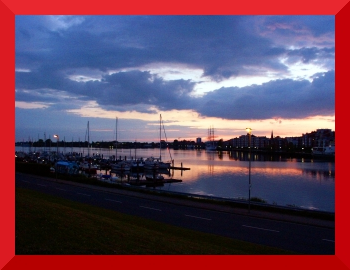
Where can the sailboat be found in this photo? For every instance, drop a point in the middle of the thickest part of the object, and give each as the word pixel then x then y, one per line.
pixel 87 166
pixel 157 163
pixel 120 165
pixel 162 164
pixel 210 145
pixel 136 164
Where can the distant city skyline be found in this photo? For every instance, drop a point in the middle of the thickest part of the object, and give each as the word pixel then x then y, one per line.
pixel 202 139
pixel 269 73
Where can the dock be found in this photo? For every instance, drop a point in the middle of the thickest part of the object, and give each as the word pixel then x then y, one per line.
pixel 180 168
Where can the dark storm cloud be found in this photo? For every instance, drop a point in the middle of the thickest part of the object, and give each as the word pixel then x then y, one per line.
pixel 116 90
pixel 54 49
pixel 218 44
pixel 286 98
pixel 306 55
pixel 136 87
pixel 276 99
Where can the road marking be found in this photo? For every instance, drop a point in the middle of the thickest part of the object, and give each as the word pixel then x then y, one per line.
pixel 113 200
pixel 328 240
pixel 259 228
pixel 41 185
pixel 198 217
pixel 150 208
pixel 83 194
pixel 61 189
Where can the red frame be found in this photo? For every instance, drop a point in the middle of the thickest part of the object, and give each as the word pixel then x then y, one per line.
pixel 10 8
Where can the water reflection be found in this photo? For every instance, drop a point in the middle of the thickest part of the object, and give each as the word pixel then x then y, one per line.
pixel 244 156
pixel 320 175
pixel 276 179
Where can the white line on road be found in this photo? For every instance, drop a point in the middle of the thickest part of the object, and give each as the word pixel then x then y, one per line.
pixel 113 200
pixel 259 228
pixel 198 217
pixel 328 240
pixel 150 208
pixel 83 194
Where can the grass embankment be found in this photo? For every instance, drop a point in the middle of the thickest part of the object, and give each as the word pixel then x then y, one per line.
pixel 50 225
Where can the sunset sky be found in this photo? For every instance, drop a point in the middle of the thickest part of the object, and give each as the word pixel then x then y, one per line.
pixel 269 73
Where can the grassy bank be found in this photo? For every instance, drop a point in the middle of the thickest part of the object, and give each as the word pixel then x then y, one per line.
pixel 50 225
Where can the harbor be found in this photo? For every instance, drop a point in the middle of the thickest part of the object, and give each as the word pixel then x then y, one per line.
pixel 275 179
pixel 102 165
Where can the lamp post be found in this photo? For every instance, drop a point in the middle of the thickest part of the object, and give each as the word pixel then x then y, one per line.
pixel 57 137
pixel 249 130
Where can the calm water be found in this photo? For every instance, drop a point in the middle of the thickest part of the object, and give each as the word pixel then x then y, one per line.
pixel 304 183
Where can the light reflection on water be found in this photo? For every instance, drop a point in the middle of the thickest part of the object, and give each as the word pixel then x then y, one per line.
pixel 303 183
pixel 300 182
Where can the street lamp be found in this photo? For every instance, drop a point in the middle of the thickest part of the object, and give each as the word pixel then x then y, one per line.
pixel 249 130
pixel 57 137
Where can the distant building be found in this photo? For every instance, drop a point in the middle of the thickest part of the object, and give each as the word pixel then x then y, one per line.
pixel 243 141
pixel 199 140
pixel 296 141
pixel 319 138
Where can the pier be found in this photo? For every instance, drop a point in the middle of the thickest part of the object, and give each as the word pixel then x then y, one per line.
pixel 179 168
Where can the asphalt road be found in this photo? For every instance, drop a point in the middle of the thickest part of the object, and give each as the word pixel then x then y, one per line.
pixel 290 233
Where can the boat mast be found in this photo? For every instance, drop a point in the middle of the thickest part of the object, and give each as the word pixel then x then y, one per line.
pixel 116 139
pixel 166 141
pixel 213 136
pixel 45 142
pixel 88 132
pixel 160 137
